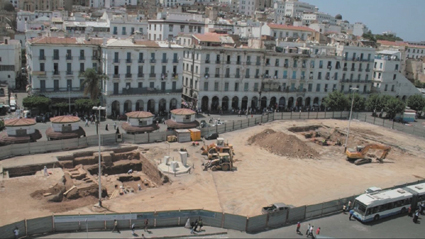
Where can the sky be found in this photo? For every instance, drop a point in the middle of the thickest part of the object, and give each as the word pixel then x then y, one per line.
pixel 404 17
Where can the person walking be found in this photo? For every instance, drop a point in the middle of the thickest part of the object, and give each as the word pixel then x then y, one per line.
pixel 16 232
pixel 308 229
pixel 351 215
pixel 115 125
pixel 349 205
pixel 133 227
pixel 116 226
pixel 45 171
pixel 106 127
pixel 318 231
pixel 298 227
pixel 146 224
pixel 201 224
pixel 416 216
pixel 196 224
pixel 87 123
pixel 310 233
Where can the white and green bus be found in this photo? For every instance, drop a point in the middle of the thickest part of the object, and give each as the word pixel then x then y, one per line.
pixel 373 206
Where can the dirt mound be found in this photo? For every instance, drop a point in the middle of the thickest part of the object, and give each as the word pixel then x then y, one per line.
pixel 282 144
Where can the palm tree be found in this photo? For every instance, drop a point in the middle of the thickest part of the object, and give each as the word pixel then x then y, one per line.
pixel 92 83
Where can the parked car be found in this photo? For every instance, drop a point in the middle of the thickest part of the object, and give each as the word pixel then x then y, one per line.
pixel 275 207
pixel 211 136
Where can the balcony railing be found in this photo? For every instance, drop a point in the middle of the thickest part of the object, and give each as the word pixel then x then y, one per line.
pixel 152 75
pixel 175 60
pixel 153 61
pixel 116 76
pixel 285 65
pixel 228 62
pixel 207 61
pixel 116 60
pixel 69 72
pixel 237 76
pixel 41 58
pixel 248 63
pixel 276 64
pixel 257 76
pixel 352 69
pixel 128 60
pixel 82 58
pixel 360 69
pixel 247 76
pixel 55 57
pixel 58 89
pixel 217 75
pixel 164 60
pixel 68 57
pixel 147 90
pixel 140 75
pixel 207 75
pixel 217 62
pixel 257 63
pixel 141 61
pixel 344 69
pixel 227 75
pixel 95 58
pixel 55 72
pixel 367 70
pixel 238 62
pixel 128 75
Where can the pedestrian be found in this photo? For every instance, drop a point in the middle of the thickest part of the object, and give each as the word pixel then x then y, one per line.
pixel 349 205
pixel 107 127
pixel 409 211
pixel 416 216
pixel 351 214
pixel 298 227
pixel 146 224
pixel 139 186
pixel 201 224
pixel 196 224
pixel 116 226
pixel 45 171
pixel 87 123
pixel 308 229
pixel 143 236
pixel 311 231
pixel 422 207
pixel 118 131
pixel 133 227
pixel 115 125
pixel 192 227
pixel 318 231
pixel 16 232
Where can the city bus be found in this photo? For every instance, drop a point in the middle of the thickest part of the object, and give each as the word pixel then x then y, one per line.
pixel 373 206
pixel 418 191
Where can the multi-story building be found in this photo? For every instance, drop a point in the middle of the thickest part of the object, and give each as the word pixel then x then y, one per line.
pixel 10 61
pixel 127 25
pixel 359 29
pixel 55 65
pixel 285 31
pixel 217 75
pixel 296 9
pixel 143 76
pixel 175 24
pixel 318 17
pixel 387 78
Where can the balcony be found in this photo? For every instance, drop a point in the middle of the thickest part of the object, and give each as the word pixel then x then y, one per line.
pixel 285 65
pixel 227 76
pixel 257 63
pixel 42 58
pixel 344 69
pixel 237 76
pixel 128 60
pixel 95 58
pixel 116 76
pixel 175 75
pixel 164 75
pixel 175 60
pixel 68 57
pixel 247 76
pixel 267 63
pixel 367 70
pixel 164 60
pixel 56 58
pixel 82 58
pixel 248 63
pixel 69 72
pixel 257 76
pixel 128 75
pixel 141 61
pixel 147 90
pixel 152 75
pixel 217 62
pixel 207 61
pixel 303 66
pixel 228 62
pixel 276 64
pixel 238 62
pixel 81 73
pixel 320 67
pixel 116 60
pixel 58 89
pixel 153 61
pixel 207 75
pixel 217 75
pixel 140 75
pixel 360 69
pixel 55 73
pixel 352 69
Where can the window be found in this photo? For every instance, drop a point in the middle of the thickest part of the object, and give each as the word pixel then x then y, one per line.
pixel 386 87
pixel 255 86
pixel 140 57
pixel 81 84
pixel 69 84
pixel 115 31
pixel 226 86
pixel 380 65
pixel 55 54
pixel 394 76
pixel 294 75
pixel 151 84
pixel 392 88
pixel 116 71
pixel 56 85
pixel 42 85
pixel 285 74
pixel 396 67
pixel 116 56
pixel 81 54
pixel 68 68
pixel 81 67
pixel 128 70
pixel 128 57
pixel 124 31
pixel 206 86
pixel 215 86
pixel 236 86
pixel 319 76
pixel 246 86
pixel 318 88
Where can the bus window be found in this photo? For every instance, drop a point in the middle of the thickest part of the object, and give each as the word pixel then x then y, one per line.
pixel 375 210
pixel 368 211
pixel 390 205
pixel 407 201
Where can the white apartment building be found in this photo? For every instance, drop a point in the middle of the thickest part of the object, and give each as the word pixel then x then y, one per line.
pixel 240 77
pixel 143 76
pixel 10 61
pixel 174 25
pixel 415 51
pixel 234 6
pixel 247 7
pixel 55 65
pixel 317 17
pixel 387 78
pixel 285 31
pixel 127 25
pixel 22 17
pixel 359 29
pixel 296 9
pixel 119 3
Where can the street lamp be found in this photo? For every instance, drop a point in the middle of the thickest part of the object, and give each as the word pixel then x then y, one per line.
pixel 99 108
pixel 69 98
pixel 349 120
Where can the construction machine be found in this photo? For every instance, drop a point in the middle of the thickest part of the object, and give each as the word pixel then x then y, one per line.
pixel 220 147
pixel 359 154
pixel 224 162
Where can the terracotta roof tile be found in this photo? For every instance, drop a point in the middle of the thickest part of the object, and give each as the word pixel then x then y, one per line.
pixel 209 37
pixel 392 43
pixel 64 119
pixel 146 43
pixel 66 40
pixel 288 27
pixel 183 111
pixel 19 122
pixel 139 114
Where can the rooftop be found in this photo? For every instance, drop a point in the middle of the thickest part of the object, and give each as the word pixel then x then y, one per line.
pixel 19 122
pixel 183 111
pixel 288 27
pixel 209 37
pixel 139 114
pixel 64 119
pixel 65 40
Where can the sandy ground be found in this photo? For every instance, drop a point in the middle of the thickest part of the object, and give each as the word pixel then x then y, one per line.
pixel 261 177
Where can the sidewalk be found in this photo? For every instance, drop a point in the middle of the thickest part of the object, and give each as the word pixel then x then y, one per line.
pixel 168 232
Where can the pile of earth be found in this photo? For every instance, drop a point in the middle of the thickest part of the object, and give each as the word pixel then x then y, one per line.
pixel 282 144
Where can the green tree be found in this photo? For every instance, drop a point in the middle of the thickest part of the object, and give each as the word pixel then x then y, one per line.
pixel 369 36
pixel 388 37
pixel 336 101
pixel 416 102
pixel 393 106
pixel 359 103
pixel 92 83
pixel 39 102
pixel 374 103
pixel 85 104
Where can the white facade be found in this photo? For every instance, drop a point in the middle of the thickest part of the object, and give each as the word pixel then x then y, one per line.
pixel 318 17
pixel 284 31
pixel 22 18
pixel 359 29
pixel 247 7
pixel 58 127
pixel 294 8
pixel 415 52
pixel 119 3
pixel 11 130
pixel 162 30
pixel 143 76
pixel 140 121
pixel 10 61
pixel 55 65
pixel 387 78
pixel 183 118
pixel 124 25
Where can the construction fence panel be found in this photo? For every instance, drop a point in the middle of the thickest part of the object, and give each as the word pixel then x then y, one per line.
pixel 304 115
pixel 5 152
pixel 235 222
pixel 94 225
pixel 418 132
pixel 270 117
pixel 82 142
pixel 313 210
pixel 296 214
pixel 92 140
pixel 68 226
pixel 141 138
pixel 228 126
pixel 237 124
pixel 287 115
pixel 221 128
pixel 192 215
pixel 370 120
pixel 167 219
pixel 128 138
pixel 399 127
pixel 53 145
pixel 108 139
pixel 7 230
pixel 205 131
pixel 264 119
pixel 331 207
pixel 20 149
pixel 257 223
pixel 321 115
pixel 141 217
pixel 277 219
pixel 38 147
pixel 156 137
pixel 39 225
pixel 210 218
pixel 69 144
pixel 245 123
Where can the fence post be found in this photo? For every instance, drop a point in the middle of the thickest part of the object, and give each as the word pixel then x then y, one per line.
pixel 234 124
pixel 216 129
pixel 333 114
pixel 53 223
pixel 299 115
pixel 291 114
pixel 222 219
pixel 26 227
pixel 308 114
pixel 225 127
pixel 374 119
pixel 246 224
pixel 393 125
pixel 383 122
pixel 267 220
pixel 365 117
pixel 281 115
pixel 317 115
pixel 325 113
pixel 248 123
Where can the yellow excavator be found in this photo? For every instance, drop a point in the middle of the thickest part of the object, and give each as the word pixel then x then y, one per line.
pixel 360 152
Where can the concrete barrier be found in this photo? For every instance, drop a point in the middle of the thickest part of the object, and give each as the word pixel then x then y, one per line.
pixel 235 222
pixel 7 230
pixel 210 218
pixel 277 219
pixel 40 225
pixel 257 223
pixel 296 214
